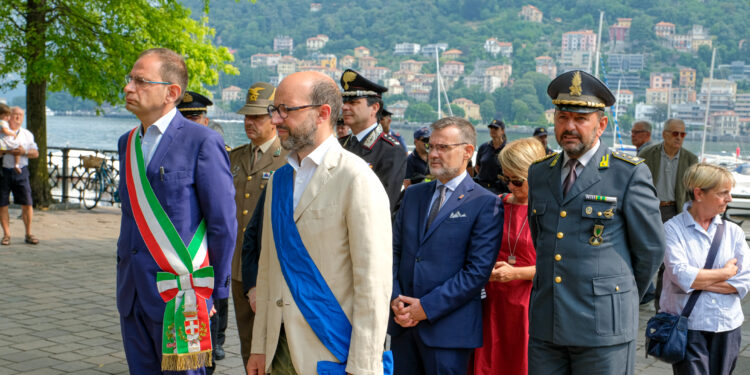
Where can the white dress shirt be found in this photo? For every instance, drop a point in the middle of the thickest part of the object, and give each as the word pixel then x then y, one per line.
pixel 151 139
pixel 361 135
pixel 306 169
pixel 25 139
pixel 686 252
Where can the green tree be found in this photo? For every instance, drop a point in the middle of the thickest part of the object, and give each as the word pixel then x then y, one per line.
pixel 487 110
pixel 458 111
pixel 86 47
pixel 420 112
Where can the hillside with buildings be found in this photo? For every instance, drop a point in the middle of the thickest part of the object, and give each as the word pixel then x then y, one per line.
pixel 497 57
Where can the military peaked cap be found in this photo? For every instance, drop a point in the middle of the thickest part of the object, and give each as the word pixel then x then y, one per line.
pixel 578 91
pixel 194 104
pixel 356 86
pixel 259 96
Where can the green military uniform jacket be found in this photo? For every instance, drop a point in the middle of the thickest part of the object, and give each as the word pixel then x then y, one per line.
pixel 597 249
pixel 248 183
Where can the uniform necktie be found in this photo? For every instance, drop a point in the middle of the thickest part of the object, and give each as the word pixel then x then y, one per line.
pixel 571 178
pixel 256 156
pixel 436 206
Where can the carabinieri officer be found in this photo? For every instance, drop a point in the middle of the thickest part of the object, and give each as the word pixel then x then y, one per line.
pixel 595 221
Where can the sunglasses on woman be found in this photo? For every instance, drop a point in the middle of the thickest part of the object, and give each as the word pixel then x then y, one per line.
pixel 517 182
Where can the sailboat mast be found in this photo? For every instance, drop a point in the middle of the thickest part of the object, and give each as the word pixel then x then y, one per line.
pixel 598 43
pixel 708 104
pixel 437 70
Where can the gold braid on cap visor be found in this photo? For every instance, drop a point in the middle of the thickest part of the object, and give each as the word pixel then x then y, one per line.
pixel 582 101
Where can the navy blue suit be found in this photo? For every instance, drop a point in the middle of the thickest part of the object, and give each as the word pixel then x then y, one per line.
pixel 446 268
pixel 195 183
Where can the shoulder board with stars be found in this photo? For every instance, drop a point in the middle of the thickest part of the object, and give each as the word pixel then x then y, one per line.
pixel 390 139
pixel 627 157
pixel 545 158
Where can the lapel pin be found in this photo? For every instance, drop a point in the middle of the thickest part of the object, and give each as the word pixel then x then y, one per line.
pixel 461 196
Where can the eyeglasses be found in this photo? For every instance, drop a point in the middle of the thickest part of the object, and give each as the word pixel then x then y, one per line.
pixel 633 132
pixel 679 134
pixel 442 147
pixel 140 81
pixel 517 182
pixel 283 110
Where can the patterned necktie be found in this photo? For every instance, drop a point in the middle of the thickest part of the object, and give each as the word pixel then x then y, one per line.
pixel 571 178
pixel 436 206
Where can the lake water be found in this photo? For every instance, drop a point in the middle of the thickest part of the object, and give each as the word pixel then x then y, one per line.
pixel 101 133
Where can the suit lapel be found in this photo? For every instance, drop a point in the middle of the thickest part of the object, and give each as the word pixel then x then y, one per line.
pixel 424 207
pixel 152 170
pixel 555 178
pixel 267 157
pixel 321 176
pixel 457 198
pixel 589 175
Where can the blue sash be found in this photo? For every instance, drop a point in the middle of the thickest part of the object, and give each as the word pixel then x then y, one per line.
pixel 311 293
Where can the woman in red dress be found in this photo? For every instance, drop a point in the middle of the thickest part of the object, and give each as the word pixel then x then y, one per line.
pixel 505 310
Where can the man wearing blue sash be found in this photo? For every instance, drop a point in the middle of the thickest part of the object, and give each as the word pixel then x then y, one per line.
pixel 182 175
pixel 445 242
pixel 324 277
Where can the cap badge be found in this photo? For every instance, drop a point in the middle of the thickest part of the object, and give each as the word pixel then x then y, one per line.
pixel 575 88
pixel 348 77
pixel 252 93
pixel 187 98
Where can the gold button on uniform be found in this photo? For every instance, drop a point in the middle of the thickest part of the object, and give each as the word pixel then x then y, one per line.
pixel 558 257
pixel 249 178
pixel 558 279
pixel 560 235
pixel 243 230
pixel 563 214
pixel 279 302
pixel 617 288
pixel 534 210
pixel 598 214
pixel 247 195
pixel 244 212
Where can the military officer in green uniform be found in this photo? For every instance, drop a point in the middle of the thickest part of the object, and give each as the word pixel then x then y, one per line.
pixel 252 165
pixel 362 108
pixel 595 223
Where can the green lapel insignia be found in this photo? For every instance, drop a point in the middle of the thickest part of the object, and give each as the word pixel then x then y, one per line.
pixel 277 152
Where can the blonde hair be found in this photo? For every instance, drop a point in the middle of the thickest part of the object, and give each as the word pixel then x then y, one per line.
pixel 705 176
pixel 517 156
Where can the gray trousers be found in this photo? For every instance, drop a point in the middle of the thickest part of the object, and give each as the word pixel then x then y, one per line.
pixel 712 353
pixel 546 358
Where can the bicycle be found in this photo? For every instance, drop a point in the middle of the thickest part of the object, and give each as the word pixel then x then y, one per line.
pixel 99 181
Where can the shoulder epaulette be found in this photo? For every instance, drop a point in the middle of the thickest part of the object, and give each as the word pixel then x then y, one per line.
pixel 627 157
pixel 390 139
pixel 545 158
pixel 238 147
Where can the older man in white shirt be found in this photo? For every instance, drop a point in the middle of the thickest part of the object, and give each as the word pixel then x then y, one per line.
pixel 15 182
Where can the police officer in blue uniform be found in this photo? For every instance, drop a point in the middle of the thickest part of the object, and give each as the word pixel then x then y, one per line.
pixel 361 111
pixel 489 171
pixel 595 223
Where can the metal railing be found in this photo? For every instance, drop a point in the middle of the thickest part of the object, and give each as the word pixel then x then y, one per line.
pixel 68 176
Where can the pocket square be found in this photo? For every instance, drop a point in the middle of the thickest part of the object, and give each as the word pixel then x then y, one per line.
pixel 457 214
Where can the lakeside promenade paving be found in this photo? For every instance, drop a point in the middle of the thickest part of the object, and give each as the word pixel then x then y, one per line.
pixel 57 301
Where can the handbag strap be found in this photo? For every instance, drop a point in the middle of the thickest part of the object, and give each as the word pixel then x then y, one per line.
pixel 709 264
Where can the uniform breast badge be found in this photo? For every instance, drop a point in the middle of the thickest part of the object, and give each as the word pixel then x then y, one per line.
pixel 266 175
pixel 597 239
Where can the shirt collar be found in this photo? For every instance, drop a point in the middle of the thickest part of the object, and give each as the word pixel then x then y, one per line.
pixel 316 156
pixel 265 146
pixel 585 158
pixel 163 122
pixel 454 182
pixel 361 135
pixel 690 220
pixel 664 153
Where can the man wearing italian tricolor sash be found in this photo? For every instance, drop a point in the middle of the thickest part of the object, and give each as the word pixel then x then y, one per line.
pixel 178 218
pixel 324 275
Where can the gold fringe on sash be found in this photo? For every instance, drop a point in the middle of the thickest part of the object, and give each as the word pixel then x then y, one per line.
pixel 186 361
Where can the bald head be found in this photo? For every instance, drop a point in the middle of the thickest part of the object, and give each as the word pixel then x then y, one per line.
pixel 319 88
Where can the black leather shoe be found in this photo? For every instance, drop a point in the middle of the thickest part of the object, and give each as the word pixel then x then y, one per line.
pixel 219 353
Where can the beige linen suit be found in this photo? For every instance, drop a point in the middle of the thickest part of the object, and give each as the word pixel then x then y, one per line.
pixel 343 218
pixel 249 182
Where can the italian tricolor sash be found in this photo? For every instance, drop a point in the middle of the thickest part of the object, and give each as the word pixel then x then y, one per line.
pixel 186 280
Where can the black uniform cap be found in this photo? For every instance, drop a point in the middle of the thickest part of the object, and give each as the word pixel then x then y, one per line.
pixel 194 104
pixel 578 91
pixel 356 86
